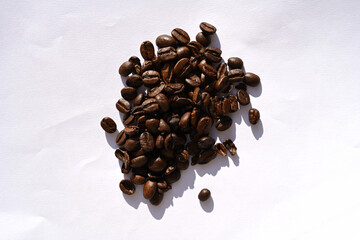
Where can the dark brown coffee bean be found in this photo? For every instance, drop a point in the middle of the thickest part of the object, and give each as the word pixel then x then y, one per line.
pixel 167 54
pixel 123 106
pixel 157 198
pixel 192 148
pixel 108 125
pixel 169 170
pixel 152 125
pixel 151 78
pixel 193 62
pixel 141 119
pixel 138 179
pixel 127 187
pixel 222 70
pixel 230 146
pixel 213 54
pixel 159 144
pixel 147 50
pixel 124 157
pixel 194 117
pixel 126 68
pixel 184 123
pixel 149 189
pixel 173 121
pixel 180 102
pixel 167 72
pixel 183 156
pixel 204 125
pixel 163 102
pixel 193 80
pixel 165 41
pixel 131 145
pixel 234 106
pixel 173 141
pixel 138 153
pixel 154 176
pixel 134 80
pixel 183 52
pixel 135 60
pixel 206 156
pixel 207 69
pixel 222 84
pixel 163 126
pixel 182 165
pixel 182 67
pixel 235 63
pixel 173 177
pixel 157 165
pixel 223 123
pixel 125 170
pixel 236 75
pixel 138 161
pixel 243 97
pixel 254 116
pixel 128 93
pixel 203 39
pixel 162 184
pixel 196 49
pixel 224 107
pixel 206 142
pixel 204 194
pixel 128 118
pixel 241 85
pixel 148 65
pixel 207 28
pixel 138 111
pixel 147 142
pixel 220 149
pixel 121 138
pixel 139 99
pixel 210 88
pixel 131 130
pixel 180 35
pixel 196 97
pixel 251 79
pixel 205 99
pixel 150 106
pixel 156 90
pixel 174 88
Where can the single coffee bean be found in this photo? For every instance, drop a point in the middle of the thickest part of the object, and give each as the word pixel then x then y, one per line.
pixel 207 28
pixel 234 106
pixel 147 50
pixel 203 39
pixel 235 63
pixel 180 102
pixel 204 194
pixel 138 111
pixel 174 88
pixel 222 70
pixel 173 177
pixel 182 165
pixel 124 169
pixel 204 125
pixel 184 122
pixel 157 165
pixel 163 126
pixel 251 79
pixel 224 106
pixel 206 142
pixel 196 96
pixel 193 62
pixel 138 152
pixel 194 117
pixel 205 99
pixel 196 49
pixel 151 78
pixel 138 161
pixel 135 60
pixel 213 54
pixel 148 65
pixel 165 41
pixel 183 52
pixel 121 138
pixel 167 72
pixel 254 116
pixel 157 198
pixel 236 75
pixel 128 93
pixel 206 156
pixel 152 125
pixel 147 142
pixel 131 145
pixel 138 100
pixel 230 146
pixel 131 130
pixel 222 84
pixel 173 141
pixel 181 36
pixel 223 123
pixel 156 90
pixel 123 106
pixel 108 125
pixel 193 80
pixel 243 97
pixel 123 156
pixel 182 67
pixel 163 102
pixel 241 85
pixel 159 144
pixel 138 179
pixel 128 118
pixel 149 189
pixel 173 121
pixel 134 80
pixel 150 106
pixel 207 69
pixel 220 149
pixel 183 156
pixel 126 68
pixel 167 54
pixel 127 187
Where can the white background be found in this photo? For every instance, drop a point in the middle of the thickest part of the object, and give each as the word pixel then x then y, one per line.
pixel 296 175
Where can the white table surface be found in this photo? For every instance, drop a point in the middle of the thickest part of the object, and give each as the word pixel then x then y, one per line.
pixel 296 175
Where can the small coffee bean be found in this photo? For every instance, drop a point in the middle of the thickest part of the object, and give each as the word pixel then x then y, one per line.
pixel 165 41
pixel 152 125
pixel 167 72
pixel 121 138
pixel 224 106
pixel 156 90
pixel 236 75
pixel 135 60
pixel 204 125
pixel 206 156
pixel 230 146
pixel 222 84
pixel 194 117
pixel 207 69
pixel 220 149
pixel 163 102
pixel 206 142
pixel 181 36
pixel 138 100
pixel 131 130
pixel 163 126
pixel 222 70
pixel 159 144
pixel 173 141
pixel 235 63
pixel 151 78
pixel 204 194
pixel 124 169
pixel 128 93
pixel 167 54
pixel 150 106
pixel 127 187
pixel 138 161
pixel 207 28
pixel 182 67
pixel 254 116
pixel 174 88
pixel 157 165
pixel 123 156
pixel 108 125
pixel 203 39
pixel 184 122
pixel 183 52
pixel 183 156
pixel 131 145
pixel 128 118
pixel 213 54
pixel 223 123
pixel 193 80
pixel 138 179
pixel 196 49
pixel 243 97
pixel 149 189
pixel 157 198
pixel 173 177
pixel 147 50
pixel 147 142
pixel 126 68
pixel 134 80
pixel 234 105
pixel 123 106
pixel 251 79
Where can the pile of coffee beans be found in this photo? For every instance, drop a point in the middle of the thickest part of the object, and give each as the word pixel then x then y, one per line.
pixel 170 104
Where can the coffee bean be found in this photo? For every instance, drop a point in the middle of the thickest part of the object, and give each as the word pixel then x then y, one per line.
pixel 149 189
pixel 223 123
pixel 182 67
pixel 147 50
pixel 163 102
pixel 206 156
pixel 205 99
pixel 230 146
pixel 234 106
pixel 150 106
pixel 235 63
pixel 180 35
pixel 241 85
pixel 126 68
pixel 159 144
pixel 123 106
pixel 156 90
pixel 207 28
pixel 196 49
pixel 138 153
pixel 147 142
pixel 150 78
pixel 251 79
pixel 127 187
pixel 134 80
pixel 183 52
pixel 204 125
pixel 124 157
pixel 220 149
pixel 167 54
pixel 236 75
pixel 184 122
pixel 138 179
pixel 128 118
pixel 243 97
pixel 173 141
pixel 131 130
pixel 124 169
pixel 221 71
pixel 173 177
pixel 204 194
pixel 138 100
pixel 137 111
pixel 138 161
pixel 222 84
pixel 203 39
pixel 128 93
pixel 224 106
pixel 193 62
pixel 167 72
pixel 121 138
pixel 165 41
pixel 194 117
pixel 207 69
pixel 206 142
pixel 193 80
pixel 131 145
pixel 174 88
pixel 157 165
pixel 157 198
pixel 108 125
pixel 152 125
pixel 254 116
pixel 163 126
pixel 135 60
pixel 213 54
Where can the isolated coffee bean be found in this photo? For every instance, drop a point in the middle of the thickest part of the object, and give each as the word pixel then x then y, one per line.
pixel 149 189
pixel 235 62
pixel 223 123
pixel 173 177
pixel 182 67
pixel 230 146
pixel 251 79
pixel 204 194
pixel 147 142
pixel 213 54
pixel 203 39
pixel 138 161
pixel 236 75
pixel 254 116
pixel 131 145
pixel 151 78
pixel 206 142
pixel 243 97
pixel 138 179
pixel 183 52
pixel 134 80
pixel 147 50
pixel 207 28
pixel 108 125
pixel 165 41
pixel 220 149
pixel 127 187
pixel 126 68
pixel 206 156
pixel 167 54
pixel 157 165
pixel 181 36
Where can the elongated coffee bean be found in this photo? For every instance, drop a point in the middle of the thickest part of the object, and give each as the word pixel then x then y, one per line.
pixel 243 97
pixel 147 50
pixel 180 35
pixel 207 28
pixel 149 189
pixel 108 125
pixel 147 142
pixel 251 79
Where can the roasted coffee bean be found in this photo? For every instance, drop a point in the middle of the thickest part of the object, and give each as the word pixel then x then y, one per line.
pixel 157 165
pixel 182 67
pixel 169 170
pixel 206 142
pixel 204 125
pixel 173 141
pixel 128 93
pixel 223 123
pixel 165 41
pixel 148 65
pixel 159 144
pixel 207 28
pixel 128 118
pixel 207 69
pixel 138 100
pixel 204 194
pixel 167 54
pixel 173 177
pixel 123 106
pixel 203 39
pixel 131 130
pixel 174 121
pixel 183 52
pixel 151 78
pixel 134 80
pixel 192 148
pixel 194 117
pixel 220 149
pixel 127 187
pixel 150 106
pixel 243 97
pixel 205 99
pixel 135 60
pixel 124 169
pixel 235 63
pixel 124 157
pixel 163 102
pixel 147 142
pixel 183 156
pixel 163 126
pixel 196 96
pixel 162 184
pixel 138 153
pixel 108 125
pixel 254 116
pixel 241 85
pixel 131 145
pixel 251 79
pixel 167 72
pixel 236 75
pixel 126 68
pixel 147 50
pixel 180 102
pixel 222 84
pixel 174 88
pixel 230 146
pixel 196 49
pixel 184 122
pixel 213 54
pixel 224 106
pixel 193 80
pixel 181 36
pixel 152 125
pixel 154 176
pixel 138 161
pixel 193 62
pixel 234 106
pixel 182 165
pixel 157 198
pixel 121 138
pixel 210 88
pixel 138 111
pixel 149 189
pixel 206 156
pixel 156 90
pixel 138 179
pixel 222 70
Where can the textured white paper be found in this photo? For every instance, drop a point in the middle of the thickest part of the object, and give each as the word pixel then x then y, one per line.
pixel 296 175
